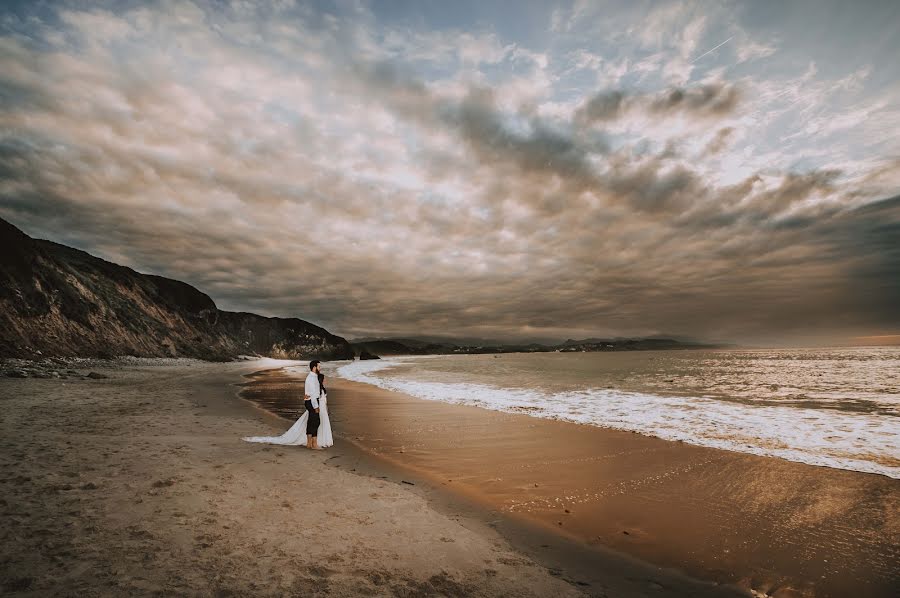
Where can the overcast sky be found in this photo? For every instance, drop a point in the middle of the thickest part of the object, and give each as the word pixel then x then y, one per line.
pixel 720 170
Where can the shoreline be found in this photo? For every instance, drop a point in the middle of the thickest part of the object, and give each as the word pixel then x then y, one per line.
pixel 598 569
pixel 857 440
pixel 645 497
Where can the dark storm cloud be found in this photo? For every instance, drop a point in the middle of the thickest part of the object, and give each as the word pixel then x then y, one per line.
pixel 540 150
pixel 478 121
pixel 867 241
pixel 539 153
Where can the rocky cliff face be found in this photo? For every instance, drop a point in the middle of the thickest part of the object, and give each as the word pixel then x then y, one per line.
pixel 59 301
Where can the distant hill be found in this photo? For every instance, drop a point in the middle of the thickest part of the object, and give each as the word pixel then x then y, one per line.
pixel 62 302
pixel 440 341
pixel 629 344
pixel 388 347
pixel 399 347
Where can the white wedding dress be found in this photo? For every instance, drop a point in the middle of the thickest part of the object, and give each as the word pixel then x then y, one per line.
pixel 296 434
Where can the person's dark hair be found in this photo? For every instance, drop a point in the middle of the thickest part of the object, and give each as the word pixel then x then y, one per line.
pixel 313 364
pixel 322 382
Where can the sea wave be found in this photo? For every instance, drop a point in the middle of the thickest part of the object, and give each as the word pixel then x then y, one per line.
pixel 862 442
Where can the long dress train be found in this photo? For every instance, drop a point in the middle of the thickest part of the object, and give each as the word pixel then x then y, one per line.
pixel 296 434
pixel 325 438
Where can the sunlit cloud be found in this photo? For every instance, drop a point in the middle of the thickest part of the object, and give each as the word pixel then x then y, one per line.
pixel 620 172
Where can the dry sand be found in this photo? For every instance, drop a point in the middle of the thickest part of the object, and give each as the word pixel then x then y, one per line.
pixel 140 484
pixel 765 524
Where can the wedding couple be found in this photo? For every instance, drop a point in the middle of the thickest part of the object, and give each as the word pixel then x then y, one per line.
pixel 314 422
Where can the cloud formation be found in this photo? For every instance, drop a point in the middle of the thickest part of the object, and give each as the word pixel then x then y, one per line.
pixel 381 174
pixel 710 100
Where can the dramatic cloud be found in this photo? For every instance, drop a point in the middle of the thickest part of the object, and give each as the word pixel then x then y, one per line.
pixel 709 100
pixel 691 169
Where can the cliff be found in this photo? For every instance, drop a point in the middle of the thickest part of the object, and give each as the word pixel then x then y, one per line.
pixel 56 301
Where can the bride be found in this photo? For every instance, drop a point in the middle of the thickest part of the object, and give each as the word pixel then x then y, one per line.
pixel 296 434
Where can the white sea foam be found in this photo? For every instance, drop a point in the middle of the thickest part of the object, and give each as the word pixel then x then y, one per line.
pixel 864 442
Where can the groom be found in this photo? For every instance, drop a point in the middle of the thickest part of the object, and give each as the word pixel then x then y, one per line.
pixel 311 402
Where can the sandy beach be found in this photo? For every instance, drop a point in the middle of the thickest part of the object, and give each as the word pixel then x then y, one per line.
pixel 140 484
pixel 764 524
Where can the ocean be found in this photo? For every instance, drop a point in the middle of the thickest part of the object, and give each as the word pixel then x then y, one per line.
pixel 834 407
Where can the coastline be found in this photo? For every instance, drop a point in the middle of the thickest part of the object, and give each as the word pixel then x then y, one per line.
pixel 765 524
pixel 597 571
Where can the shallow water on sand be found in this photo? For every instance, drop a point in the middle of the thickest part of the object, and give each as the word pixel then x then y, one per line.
pixel 835 407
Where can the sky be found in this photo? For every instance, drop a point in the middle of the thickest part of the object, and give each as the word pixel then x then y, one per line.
pixel 725 171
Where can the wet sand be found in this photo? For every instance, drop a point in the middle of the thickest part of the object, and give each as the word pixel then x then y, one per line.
pixel 774 526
